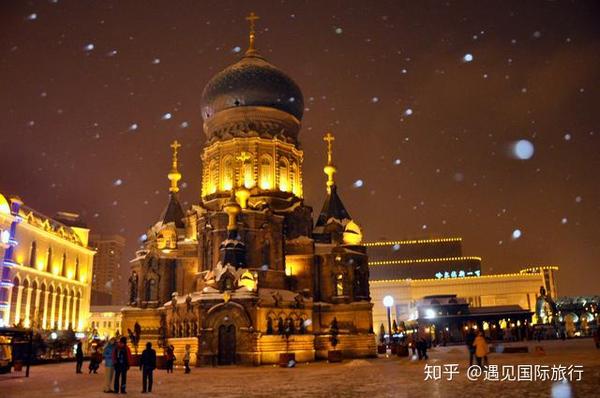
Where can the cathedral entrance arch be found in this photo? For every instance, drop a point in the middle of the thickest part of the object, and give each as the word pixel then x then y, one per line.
pixel 226 354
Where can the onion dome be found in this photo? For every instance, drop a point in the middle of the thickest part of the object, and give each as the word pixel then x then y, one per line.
pixel 252 81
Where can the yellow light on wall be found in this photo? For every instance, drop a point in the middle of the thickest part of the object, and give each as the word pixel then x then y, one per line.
pixel 70 274
pixel 265 183
pixel 40 265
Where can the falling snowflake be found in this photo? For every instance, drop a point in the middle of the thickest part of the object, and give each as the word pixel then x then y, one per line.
pixel 338 31
pixel 184 125
pixel 578 199
pixel 564 220
pixel 375 100
pixel 567 137
pixel 523 149
pixel 133 127
pixel 88 47
pixel 408 112
pixel 358 184
pixel 167 116
pixel 516 234
pixel 118 182
pixel 236 49
pixel 397 162
pixel 32 17
pixel 467 57
pixel 156 61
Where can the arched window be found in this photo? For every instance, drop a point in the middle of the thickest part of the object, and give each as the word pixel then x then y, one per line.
pixel 33 254
pixel 266 172
pixel 64 265
pixel 339 285
pixel 77 268
pixel 248 173
pixel 213 170
pixel 49 260
pixel 284 181
pixel 227 175
pixel 294 178
pixel 14 300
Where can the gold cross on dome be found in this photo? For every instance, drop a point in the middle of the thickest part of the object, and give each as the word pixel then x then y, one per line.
pixel 252 18
pixel 175 145
pixel 329 138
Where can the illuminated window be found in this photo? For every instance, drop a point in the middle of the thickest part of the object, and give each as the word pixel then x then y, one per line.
pixel 228 170
pixel 213 176
pixel 266 172
pixel 64 265
pixel 248 173
pixel 77 268
pixel 284 182
pixel 33 254
pixel 339 285
pixel 49 260
pixel 294 179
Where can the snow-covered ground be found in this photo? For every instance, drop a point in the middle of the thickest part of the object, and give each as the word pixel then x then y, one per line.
pixel 383 377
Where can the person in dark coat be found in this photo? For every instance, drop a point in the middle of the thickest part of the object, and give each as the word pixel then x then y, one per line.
pixel 170 357
pixel 121 360
pixel 469 340
pixel 147 366
pixel 79 357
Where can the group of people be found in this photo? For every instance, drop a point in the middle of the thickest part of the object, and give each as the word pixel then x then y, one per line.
pixel 117 361
pixel 418 343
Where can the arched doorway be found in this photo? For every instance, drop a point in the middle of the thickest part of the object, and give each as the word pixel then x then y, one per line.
pixel 226 344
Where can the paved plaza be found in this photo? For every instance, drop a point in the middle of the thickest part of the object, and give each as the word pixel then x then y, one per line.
pixel 382 377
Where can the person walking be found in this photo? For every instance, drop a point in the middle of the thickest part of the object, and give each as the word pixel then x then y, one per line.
pixel 481 349
pixel 79 357
pixel 95 360
pixel 469 340
pixel 186 358
pixel 170 358
pixel 108 365
pixel 147 366
pixel 121 360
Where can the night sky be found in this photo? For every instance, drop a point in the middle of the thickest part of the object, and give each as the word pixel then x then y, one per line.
pixel 427 101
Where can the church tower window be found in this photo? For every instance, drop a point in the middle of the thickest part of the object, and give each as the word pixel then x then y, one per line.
pixel 284 182
pixel 266 172
pixel 248 173
pixel 227 173
pixel 339 285
pixel 213 176
pixel 294 179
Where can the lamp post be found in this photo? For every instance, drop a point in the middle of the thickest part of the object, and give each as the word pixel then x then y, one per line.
pixel 388 302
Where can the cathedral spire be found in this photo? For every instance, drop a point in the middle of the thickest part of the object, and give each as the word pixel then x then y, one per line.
pixel 252 18
pixel 329 168
pixel 174 175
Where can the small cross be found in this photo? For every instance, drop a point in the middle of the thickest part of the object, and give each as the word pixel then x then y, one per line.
pixel 329 138
pixel 175 145
pixel 252 18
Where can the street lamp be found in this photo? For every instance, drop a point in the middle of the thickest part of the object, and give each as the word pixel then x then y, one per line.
pixel 388 302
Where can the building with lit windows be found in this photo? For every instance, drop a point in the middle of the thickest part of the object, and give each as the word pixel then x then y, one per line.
pixel 410 270
pixel 46 268
pixel 109 281
pixel 105 321
pixel 245 267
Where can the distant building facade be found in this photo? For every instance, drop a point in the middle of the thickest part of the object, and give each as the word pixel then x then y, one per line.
pixel 109 284
pixel 46 268
pixel 105 321
pixel 410 270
